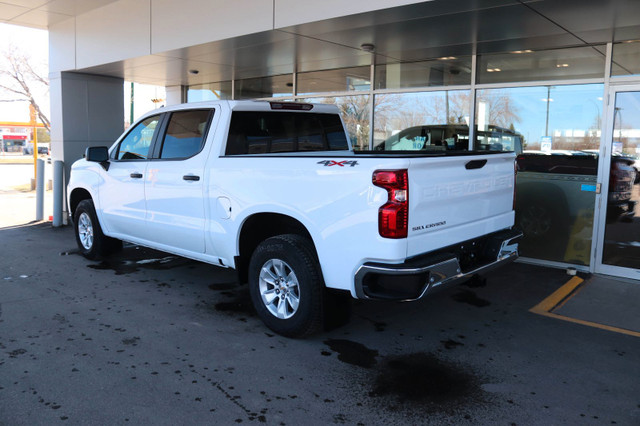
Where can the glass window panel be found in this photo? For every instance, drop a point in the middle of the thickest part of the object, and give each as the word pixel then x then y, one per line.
pixel 447 71
pixel 185 134
pixel 338 80
pixel 354 111
pixel 264 87
pixel 209 92
pixel 427 121
pixel 135 146
pixel 255 132
pixel 626 59
pixel 555 187
pixel 558 64
pixel 622 229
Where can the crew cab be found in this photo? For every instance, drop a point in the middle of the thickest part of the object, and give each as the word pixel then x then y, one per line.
pixel 274 190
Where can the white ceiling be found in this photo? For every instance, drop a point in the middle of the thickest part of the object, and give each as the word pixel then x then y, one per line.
pixel 408 33
pixel 43 13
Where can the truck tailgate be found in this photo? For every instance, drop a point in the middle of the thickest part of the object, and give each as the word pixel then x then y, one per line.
pixel 457 198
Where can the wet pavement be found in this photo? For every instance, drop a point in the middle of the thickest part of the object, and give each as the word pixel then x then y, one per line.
pixel 148 338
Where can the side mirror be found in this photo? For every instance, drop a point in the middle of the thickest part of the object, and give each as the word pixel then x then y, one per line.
pixel 98 154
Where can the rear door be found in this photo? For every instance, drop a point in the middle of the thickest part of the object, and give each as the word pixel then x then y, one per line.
pixel 174 182
pixel 459 197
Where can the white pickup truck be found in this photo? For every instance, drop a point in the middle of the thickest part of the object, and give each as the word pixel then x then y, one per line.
pixel 274 190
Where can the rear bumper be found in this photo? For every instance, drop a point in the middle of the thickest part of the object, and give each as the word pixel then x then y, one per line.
pixel 416 277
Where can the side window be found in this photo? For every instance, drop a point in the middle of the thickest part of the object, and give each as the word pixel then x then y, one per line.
pixel 135 146
pixel 185 134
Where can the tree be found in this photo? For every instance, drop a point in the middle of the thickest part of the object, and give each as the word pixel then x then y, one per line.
pixel 21 81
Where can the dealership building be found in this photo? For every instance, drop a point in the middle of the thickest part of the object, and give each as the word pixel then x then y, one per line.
pixel 556 81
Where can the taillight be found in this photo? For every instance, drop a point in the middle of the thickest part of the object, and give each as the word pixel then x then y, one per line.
pixel 393 216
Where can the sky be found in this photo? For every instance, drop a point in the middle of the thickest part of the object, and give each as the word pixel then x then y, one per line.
pixel 35 43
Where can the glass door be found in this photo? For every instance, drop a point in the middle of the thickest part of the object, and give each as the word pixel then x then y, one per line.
pixel 618 248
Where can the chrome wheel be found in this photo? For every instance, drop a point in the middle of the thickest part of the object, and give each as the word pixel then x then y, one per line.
pixel 85 231
pixel 279 288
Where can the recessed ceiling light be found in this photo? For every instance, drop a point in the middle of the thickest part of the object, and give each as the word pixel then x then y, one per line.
pixel 447 58
pixel 562 65
pixel 368 47
pixel 522 51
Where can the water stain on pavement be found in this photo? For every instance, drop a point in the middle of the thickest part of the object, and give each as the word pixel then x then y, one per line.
pixel 133 259
pixel 422 378
pixel 352 352
pixel 451 344
pixel 470 298
pixel 223 286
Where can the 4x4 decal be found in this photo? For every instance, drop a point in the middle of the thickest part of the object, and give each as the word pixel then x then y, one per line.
pixel 329 163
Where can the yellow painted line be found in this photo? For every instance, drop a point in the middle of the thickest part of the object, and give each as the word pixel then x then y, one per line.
pixel 559 297
pixel 591 324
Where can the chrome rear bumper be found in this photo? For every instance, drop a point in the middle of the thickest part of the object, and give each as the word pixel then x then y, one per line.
pixel 415 278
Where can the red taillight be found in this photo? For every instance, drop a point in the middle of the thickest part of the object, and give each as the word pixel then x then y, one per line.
pixel 393 216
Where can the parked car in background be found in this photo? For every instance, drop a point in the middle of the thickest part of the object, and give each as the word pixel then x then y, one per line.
pixel 43 149
pixel 451 137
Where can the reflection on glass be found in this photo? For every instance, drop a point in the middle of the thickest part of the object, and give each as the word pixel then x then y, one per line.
pixel 626 59
pixel 354 111
pixel 446 71
pixel 557 64
pixel 209 91
pixel 622 230
pixel 398 111
pixel 264 87
pixel 556 181
pixel 338 80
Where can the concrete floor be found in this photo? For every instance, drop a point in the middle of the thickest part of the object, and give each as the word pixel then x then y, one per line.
pixel 147 338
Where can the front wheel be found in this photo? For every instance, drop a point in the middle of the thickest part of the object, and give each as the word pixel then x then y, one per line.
pixel 91 240
pixel 286 285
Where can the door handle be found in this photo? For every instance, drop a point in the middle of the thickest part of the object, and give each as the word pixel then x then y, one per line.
pixel 475 164
pixel 191 177
pixel 135 175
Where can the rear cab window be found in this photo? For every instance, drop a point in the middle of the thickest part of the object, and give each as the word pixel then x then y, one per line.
pixel 263 132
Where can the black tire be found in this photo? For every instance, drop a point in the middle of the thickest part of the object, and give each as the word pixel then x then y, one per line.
pixel 85 222
pixel 294 254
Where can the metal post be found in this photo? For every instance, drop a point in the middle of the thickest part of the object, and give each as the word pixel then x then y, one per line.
pixel 57 193
pixel 40 190
pixel 131 115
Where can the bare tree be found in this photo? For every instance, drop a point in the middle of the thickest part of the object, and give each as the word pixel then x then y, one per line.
pixel 20 80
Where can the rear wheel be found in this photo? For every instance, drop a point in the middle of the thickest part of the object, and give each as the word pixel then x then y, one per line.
pixel 91 240
pixel 286 285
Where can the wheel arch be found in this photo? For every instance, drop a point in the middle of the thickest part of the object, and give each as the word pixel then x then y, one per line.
pixel 77 195
pixel 260 226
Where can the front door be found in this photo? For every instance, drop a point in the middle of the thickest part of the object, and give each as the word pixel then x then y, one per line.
pixel 122 194
pixel 618 248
